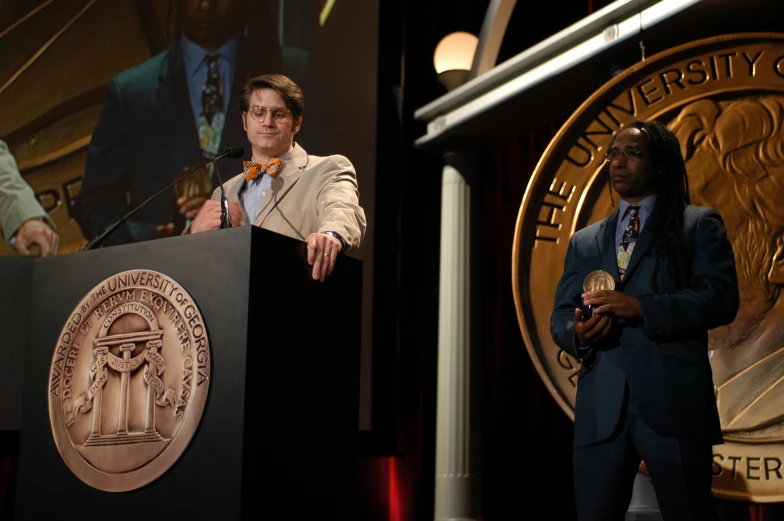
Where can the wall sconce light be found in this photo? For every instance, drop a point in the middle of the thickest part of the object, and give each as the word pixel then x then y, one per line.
pixel 453 58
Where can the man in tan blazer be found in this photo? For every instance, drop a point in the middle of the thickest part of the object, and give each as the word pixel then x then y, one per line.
pixel 25 225
pixel 283 188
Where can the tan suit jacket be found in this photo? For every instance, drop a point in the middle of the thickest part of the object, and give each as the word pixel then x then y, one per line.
pixel 310 194
pixel 17 200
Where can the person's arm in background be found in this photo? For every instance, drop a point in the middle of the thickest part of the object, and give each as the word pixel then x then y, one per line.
pixel 24 222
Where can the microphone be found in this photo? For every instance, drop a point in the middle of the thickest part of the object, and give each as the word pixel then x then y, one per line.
pixel 235 152
pixel 225 220
pixel 232 152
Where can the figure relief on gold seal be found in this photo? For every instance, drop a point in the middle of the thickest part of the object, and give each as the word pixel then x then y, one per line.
pixel 129 380
pixel 723 98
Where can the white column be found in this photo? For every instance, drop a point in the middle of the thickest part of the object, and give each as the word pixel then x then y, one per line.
pixel 644 506
pixel 456 479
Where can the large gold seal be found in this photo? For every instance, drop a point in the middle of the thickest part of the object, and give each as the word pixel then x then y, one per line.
pixel 129 380
pixel 724 99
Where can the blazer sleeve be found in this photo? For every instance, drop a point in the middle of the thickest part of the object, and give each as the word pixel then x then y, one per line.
pixel 567 299
pixel 17 200
pixel 338 203
pixel 102 198
pixel 712 300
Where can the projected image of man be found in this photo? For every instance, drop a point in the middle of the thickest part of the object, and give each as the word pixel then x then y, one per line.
pixel 171 113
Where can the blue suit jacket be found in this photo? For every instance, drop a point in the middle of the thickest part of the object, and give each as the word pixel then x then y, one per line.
pixel 146 135
pixel 663 356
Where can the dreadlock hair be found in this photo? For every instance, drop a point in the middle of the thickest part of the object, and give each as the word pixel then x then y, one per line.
pixel 672 193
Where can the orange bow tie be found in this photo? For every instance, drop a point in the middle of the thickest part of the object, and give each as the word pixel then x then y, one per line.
pixel 256 169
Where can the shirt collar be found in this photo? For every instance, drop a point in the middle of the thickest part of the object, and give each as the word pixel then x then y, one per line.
pixel 646 205
pixel 282 157
pixel 193 55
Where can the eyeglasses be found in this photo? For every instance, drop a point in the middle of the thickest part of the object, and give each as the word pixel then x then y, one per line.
pixel 260 113
pixel 631 154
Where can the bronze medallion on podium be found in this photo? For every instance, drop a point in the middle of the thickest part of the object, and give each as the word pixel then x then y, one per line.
pixel 129 380
pixel 723 97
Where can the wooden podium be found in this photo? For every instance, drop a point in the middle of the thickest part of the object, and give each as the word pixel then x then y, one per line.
pixel 278 435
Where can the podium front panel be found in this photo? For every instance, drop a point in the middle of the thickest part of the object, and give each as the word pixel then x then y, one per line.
pixel 278 435
pixel 15 305
pixel 214 269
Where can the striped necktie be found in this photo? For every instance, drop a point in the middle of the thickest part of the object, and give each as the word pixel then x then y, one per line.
pixel 211 119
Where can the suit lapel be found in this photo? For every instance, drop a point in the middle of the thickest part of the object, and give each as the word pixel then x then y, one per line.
pixel 290 173
pixel 641 247
pixel 233 188
pixel 233 130
pixel 173 96
pixel 605 240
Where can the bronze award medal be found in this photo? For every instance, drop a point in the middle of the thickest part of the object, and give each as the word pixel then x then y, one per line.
pixel 723 97
pixel 598 280
pixel 129 380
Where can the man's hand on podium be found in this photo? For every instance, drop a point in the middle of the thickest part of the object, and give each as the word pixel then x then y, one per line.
pixel 323 252
pixel 209 216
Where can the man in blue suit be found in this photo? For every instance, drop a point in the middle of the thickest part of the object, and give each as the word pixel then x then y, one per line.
pixel 171 113
pixel 645 388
